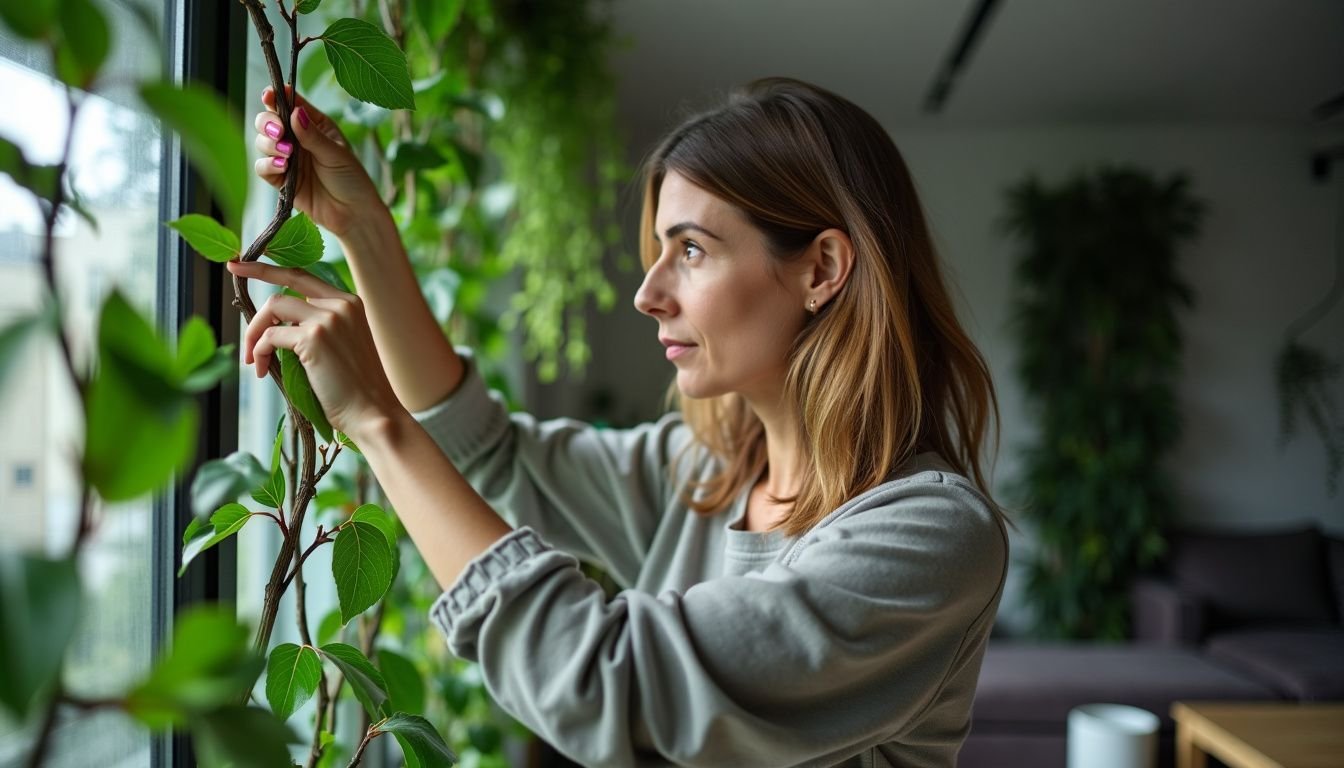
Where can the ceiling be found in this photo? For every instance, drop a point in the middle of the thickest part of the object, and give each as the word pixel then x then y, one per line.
pixel 1038 62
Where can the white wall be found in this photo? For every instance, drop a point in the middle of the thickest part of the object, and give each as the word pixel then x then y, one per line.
pixel 1264 257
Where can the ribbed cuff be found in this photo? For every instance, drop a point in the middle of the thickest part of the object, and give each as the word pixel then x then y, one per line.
pixel 484 576
pixel 466 421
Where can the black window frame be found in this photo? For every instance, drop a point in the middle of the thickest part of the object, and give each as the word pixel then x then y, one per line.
pixel 204 42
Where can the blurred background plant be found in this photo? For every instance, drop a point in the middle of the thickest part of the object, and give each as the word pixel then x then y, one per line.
pixel 1096 300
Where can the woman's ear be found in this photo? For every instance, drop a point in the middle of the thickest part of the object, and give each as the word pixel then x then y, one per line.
pixel 829 260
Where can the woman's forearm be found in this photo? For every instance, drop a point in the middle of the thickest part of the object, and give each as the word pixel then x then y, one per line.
pixel 419 359
pixel 448 521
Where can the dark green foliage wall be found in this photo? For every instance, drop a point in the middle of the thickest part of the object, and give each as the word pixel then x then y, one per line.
pixel 1096 307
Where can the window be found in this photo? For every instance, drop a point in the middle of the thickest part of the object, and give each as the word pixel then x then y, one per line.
pixel 130 185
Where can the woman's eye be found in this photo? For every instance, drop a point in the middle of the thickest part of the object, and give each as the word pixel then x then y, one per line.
pixel 691 250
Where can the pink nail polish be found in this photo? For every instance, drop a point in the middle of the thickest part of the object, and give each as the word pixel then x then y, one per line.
pixel 303 117
pixel 285 147
pixel 273 129
pixel 278 162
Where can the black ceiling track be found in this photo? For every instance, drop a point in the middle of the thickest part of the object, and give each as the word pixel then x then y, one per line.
pixel 971 33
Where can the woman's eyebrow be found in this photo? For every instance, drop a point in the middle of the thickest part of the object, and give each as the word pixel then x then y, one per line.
pixel 686 226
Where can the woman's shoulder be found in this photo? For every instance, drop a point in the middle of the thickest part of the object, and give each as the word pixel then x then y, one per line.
pixel 927 499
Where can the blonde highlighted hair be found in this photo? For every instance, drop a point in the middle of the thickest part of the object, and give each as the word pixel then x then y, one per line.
pixel 884 370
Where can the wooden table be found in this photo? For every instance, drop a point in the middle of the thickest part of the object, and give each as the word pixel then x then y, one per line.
pixel 1259 735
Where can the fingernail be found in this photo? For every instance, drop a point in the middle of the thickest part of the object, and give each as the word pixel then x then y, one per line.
pixel 265 92
pixel 273 129
pixel 303 117
pixel 278 162
pixel 285 147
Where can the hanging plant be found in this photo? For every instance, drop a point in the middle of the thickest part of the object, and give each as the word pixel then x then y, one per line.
pixel 1095 313
pixel 1309 380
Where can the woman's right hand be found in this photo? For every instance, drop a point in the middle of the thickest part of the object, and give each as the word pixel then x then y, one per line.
pixel 334 190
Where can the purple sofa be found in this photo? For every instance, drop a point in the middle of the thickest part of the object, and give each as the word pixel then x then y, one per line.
pixel 1233 617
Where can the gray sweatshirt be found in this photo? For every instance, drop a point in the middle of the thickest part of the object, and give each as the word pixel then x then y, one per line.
pixel 857 644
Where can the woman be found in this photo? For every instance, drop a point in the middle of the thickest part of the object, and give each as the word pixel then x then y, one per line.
pixel 810 559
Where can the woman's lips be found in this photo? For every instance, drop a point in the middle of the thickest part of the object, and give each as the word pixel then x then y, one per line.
pixel 675 350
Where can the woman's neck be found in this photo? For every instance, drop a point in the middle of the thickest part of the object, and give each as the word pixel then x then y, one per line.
pixel 783 448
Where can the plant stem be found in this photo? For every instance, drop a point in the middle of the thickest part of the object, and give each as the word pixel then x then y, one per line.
pixel 369 735
pixel 39 752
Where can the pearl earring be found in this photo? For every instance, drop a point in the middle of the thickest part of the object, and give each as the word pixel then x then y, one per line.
pixel 812 306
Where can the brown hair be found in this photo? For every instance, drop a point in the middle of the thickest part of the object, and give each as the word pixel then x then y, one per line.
pixel 884 370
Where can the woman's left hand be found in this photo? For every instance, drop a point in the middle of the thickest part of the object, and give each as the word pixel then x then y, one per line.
pixel 330 335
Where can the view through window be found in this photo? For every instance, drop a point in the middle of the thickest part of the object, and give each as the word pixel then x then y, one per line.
pixel 115 169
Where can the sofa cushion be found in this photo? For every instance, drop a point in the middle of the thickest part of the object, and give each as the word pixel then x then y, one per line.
pixel 1031 688
pixel 1262 578
pixel 1306 664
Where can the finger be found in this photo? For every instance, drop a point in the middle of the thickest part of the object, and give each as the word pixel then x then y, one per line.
pixel 265 145
pixel 272 169
pixel 268 98
pixel 275 337
pixel 309 285
pixel 268 124
pixel 278 309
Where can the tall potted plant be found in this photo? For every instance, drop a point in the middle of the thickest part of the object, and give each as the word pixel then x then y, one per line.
pixel 1096 316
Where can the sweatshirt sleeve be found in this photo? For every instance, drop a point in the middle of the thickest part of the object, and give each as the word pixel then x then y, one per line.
pixel 597 493
pixel 838 646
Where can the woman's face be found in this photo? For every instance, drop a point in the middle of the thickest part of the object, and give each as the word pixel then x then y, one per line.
pixel 725 317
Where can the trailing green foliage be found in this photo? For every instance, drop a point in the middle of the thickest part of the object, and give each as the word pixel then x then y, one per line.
pixel 1095 315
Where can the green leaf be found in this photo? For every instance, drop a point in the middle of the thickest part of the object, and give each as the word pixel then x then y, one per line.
pixel 39 611
pixel 364 680
pixel 307 6
pixel 416 736
pixel 375 516
pixel 227 520
pixel 329 274
pixel 439 17
pixel 139 427
pixel 15 336
pixel 242 736
pixel 84 44
pixel 300 392
pixel 368 64
pixel 198 526
pixel 210 664
pixel 32 19
pixel 208 237
pixel 38 179
pixel 272 494
pixel 313 70
pixel 330 627
pixel 220 481
pixel 220 365
pixel 413 156
pixel 349 444
pixel 361 563
pixel 297 244
pixel 405 686
pixel 211 137
pixel 195 346
pixel 292 675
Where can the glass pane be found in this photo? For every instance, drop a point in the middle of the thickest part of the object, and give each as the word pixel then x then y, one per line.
pixel 115 169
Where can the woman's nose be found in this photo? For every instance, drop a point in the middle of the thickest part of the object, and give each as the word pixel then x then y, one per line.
pixel 653 297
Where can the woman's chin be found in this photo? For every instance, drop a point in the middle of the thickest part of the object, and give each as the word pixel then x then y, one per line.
pixel 690 387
